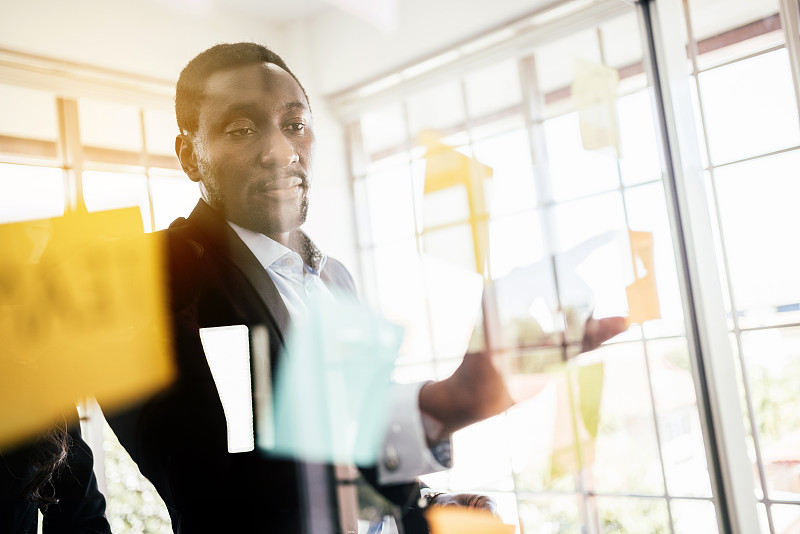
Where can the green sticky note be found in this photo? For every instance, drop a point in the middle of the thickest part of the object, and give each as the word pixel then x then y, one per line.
pixel 331 392
pixel 590 384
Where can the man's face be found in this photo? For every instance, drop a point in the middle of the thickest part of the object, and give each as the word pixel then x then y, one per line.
pixel 254 148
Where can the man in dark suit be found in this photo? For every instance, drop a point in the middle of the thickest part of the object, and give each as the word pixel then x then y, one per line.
pixel 247 139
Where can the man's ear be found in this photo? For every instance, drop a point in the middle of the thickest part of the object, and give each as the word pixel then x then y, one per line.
pixel 184 149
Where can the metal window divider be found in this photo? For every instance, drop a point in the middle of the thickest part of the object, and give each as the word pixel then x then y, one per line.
pixel 712 360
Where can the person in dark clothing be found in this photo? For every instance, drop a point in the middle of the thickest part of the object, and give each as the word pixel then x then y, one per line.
pixel 52 474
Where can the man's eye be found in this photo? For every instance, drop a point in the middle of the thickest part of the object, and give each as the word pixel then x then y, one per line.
pixel 297 126
pixel 241 132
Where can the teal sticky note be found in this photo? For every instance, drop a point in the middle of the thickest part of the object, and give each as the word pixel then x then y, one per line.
pixel 331 390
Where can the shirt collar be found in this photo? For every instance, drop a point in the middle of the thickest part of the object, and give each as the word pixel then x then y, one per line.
pixel 267 250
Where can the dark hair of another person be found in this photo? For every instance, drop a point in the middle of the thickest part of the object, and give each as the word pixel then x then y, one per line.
pixel 465 500
pixel 190 89
pixel 47 454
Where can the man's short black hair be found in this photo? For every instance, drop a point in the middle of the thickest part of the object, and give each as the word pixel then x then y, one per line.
pixel 189 92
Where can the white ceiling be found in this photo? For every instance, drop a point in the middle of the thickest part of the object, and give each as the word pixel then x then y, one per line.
pixel 277 11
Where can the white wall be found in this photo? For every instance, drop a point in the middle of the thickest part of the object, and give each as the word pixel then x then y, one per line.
pixel 152 37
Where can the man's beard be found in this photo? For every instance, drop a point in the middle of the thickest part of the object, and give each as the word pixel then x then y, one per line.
pixel 258 220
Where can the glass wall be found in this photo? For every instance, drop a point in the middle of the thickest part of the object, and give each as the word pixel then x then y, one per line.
pixel 513 259
pixel 746 103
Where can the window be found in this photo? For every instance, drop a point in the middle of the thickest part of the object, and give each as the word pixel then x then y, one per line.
pixel 555 211
pixel 747 105
pixel 111 170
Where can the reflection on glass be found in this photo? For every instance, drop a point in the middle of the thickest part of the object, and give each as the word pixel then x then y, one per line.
pixel 445 206
pixel 30 193
pixel 694 517
pixel 750 107
pixel 632 515
pixel 410 374
pixel 640 160
pixel 622 45
pixel 575 172
pixel 506 506
pixel 173 197
pixel 762 517
pixel 390 205
pixel 551 514
pixel 160 131
pixel 131 500
pixel 493 88
pixel 481 457
pixel 111 190
pixel 516 242
pixel 438 108
pixel 678 419
pixel 109 125
pixel 445 368
pixel 730 30
pixel 762 253
pixel 718 252
pixel 647 212
pixel 772 359
pixel 485 130
pixel 594 262
pixel 527 304
pixel 786 518
pixel 626 451
pixel 383 129
pixel 454 304
pixel 698 124
pixel 534 424
pixel 452 244
pixel 362 213
pixel 400 281
pixel 512 185
pixel 27 113
pixel 746 421
pixel 554 60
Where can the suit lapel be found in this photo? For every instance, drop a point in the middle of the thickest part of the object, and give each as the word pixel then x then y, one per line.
pixel 221 236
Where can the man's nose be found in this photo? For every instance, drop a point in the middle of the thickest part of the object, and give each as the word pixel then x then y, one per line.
pixel 278 151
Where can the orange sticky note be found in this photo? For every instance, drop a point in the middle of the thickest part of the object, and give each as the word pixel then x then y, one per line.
pixel 460 520
pixel 82 313
pixel 642 293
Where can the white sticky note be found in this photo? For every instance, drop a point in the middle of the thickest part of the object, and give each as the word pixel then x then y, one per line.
pixel 262 387
pixel 227 350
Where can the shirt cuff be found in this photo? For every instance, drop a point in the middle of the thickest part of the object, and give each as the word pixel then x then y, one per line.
pixel 405 454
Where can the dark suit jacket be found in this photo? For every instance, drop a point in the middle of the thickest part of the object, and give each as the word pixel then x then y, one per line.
pixel 178 439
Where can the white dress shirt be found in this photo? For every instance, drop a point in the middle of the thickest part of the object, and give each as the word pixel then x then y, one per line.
pixel 405 453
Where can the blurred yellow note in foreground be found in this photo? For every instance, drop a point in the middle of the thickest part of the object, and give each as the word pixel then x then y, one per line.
pixel 82 313
pixel 460 520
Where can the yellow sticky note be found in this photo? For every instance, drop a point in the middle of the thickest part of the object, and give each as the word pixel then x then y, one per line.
pixel 82 313
pixel 460 520
pixel 448 169
pixel 594 93
pixel 642 293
